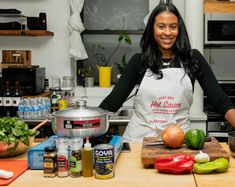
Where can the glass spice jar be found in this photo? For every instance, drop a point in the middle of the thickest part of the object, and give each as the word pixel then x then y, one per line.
pixel 75 164
pixel 49 162
pixel 67 83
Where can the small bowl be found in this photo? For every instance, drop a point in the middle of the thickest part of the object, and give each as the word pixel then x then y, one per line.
pixel 231 142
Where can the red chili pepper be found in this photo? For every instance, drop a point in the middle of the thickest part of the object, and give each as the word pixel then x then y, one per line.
pixel 176 164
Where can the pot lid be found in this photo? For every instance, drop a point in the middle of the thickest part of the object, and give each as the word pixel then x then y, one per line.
pixel 80 111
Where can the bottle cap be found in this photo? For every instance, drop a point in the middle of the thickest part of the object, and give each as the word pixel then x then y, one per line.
pixel 87 145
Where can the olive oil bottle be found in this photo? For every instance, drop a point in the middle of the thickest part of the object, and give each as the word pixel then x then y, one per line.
pixel 87 159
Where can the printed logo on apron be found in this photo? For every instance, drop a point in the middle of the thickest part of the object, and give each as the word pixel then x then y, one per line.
pixel 160 102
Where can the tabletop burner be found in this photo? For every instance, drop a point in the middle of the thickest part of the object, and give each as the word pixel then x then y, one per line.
pixel 106 138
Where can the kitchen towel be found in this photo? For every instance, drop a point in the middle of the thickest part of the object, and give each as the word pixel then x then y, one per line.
pixel 17 166
pixel 77 49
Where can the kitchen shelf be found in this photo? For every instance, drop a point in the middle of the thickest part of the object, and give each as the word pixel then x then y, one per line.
pixel 219 6
pixel 26 33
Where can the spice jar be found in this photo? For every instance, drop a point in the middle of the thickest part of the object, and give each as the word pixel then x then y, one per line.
pixel 62 157
pixel 75 165
pixel 49 162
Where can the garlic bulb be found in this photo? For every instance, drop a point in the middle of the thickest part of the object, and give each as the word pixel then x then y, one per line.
pixel 202 157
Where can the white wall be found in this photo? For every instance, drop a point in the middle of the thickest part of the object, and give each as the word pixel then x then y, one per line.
pixel 49 52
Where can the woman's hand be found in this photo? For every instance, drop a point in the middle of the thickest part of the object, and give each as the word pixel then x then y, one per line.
pixel 230 117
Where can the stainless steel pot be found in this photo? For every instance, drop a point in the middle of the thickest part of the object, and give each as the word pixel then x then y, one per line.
pixel 81 121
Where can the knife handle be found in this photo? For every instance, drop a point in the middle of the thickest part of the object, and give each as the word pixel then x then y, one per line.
pixel 6 174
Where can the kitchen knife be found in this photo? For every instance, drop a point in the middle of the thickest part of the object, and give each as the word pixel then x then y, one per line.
pixel 156 143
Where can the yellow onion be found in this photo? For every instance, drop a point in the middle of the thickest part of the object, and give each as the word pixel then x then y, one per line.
pixel 173 136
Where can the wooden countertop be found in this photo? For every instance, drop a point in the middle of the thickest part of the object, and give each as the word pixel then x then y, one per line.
pixel 222 179
pixel 129 172
pixel 215 6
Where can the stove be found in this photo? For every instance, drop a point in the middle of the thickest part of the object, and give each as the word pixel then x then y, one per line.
pixel 216 125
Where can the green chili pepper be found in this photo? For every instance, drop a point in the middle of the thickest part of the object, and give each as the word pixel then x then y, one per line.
pixel 195 139
pixel 219 165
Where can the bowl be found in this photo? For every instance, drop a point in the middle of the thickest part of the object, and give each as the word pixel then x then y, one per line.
pixel 231 142
pixel 11 150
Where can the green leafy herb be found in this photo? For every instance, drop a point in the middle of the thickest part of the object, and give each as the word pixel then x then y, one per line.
pixel 13 130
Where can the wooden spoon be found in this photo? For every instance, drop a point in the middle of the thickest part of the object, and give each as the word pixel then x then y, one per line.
pixel 40 124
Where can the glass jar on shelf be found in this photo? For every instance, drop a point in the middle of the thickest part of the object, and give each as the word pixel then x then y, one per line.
pixel 67 83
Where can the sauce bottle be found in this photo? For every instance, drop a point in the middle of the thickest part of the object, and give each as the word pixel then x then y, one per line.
pixel 87 159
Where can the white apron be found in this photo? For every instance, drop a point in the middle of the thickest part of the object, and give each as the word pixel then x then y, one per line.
pixel 160 102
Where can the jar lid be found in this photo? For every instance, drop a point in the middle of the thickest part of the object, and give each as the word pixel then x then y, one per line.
pixel 50 149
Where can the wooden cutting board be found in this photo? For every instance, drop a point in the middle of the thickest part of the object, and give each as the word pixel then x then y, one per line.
pixel 150 153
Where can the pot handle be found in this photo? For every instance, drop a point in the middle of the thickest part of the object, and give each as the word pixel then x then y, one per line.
pixel 110 114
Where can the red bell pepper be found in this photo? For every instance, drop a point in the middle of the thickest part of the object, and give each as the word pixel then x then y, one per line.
pixel 176 164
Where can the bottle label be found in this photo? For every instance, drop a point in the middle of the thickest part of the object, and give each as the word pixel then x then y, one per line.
pixel 7 101
pixel 75 162
pixel 54 100
pixel 15 101
pixel 62 163
pixel 1 101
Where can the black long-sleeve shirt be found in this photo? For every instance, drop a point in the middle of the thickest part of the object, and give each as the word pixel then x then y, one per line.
pixel 135 70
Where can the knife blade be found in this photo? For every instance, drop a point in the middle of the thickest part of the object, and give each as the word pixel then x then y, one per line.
pixel 157 143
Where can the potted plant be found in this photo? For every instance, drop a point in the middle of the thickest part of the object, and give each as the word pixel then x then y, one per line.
pixel 105 68
pixel 87 75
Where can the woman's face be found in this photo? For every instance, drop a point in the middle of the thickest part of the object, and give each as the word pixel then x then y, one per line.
pixel 166 31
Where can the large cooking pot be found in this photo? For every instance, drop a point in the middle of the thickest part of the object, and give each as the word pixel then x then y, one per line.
pixel 80 121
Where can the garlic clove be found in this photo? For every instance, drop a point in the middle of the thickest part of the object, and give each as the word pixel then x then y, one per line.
pixel 202 157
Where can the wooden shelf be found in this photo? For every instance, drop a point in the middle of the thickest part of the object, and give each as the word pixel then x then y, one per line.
pixel 44 94
pixel 26 33
pixel 215 6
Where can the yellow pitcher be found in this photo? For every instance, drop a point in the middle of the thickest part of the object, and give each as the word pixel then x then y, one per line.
pixel 104 75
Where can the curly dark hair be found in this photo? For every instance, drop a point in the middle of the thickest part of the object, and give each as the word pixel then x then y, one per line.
pixel 182 48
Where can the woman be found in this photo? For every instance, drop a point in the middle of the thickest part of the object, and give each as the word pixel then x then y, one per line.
pixel 166 69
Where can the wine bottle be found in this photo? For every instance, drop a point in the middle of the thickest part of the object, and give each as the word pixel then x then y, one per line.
pixel 16 96
pixel 1 101
pixel 7 100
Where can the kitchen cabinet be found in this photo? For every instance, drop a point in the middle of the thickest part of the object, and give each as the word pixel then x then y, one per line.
pixel 26 33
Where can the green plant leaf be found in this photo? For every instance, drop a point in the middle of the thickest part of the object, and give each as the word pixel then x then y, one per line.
pixel 98 50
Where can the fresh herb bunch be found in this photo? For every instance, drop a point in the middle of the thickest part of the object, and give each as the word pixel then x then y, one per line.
pixel 99 50
pixel 13 130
